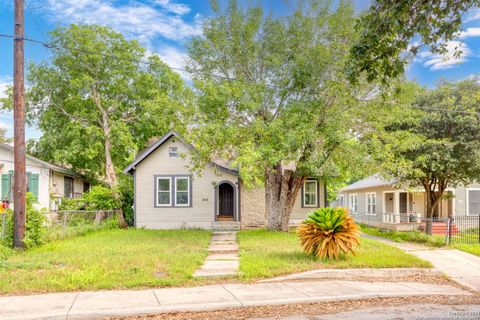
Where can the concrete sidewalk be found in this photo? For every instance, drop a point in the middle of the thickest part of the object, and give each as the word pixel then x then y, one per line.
pixel 86 305
pixel 460 266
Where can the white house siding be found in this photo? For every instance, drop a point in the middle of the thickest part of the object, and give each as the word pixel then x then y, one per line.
pixel 201 214
pixel 58 185
pixel 461 199
pixel 7 165
pixel 299 213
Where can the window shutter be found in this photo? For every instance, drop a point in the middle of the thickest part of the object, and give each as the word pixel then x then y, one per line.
pixel 6 186
pixel 33 184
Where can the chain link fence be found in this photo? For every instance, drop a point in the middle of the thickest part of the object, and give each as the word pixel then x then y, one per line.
pixel 63 224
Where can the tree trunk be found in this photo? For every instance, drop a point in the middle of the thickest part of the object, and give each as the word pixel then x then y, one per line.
pixel 433 198
pixel 281 190
pixel 110 174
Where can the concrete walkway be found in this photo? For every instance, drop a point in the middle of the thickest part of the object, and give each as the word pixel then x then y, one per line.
pixel 460 266
pixel 88 305
pixel 222 259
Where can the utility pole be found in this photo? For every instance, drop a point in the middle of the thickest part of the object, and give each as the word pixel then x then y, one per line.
pixel 19 176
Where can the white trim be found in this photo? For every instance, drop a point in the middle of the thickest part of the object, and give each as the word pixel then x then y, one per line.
pixel 169 204
pixel 341 198
pixel 188 192
pixel 350 195
pixel 316 194
pixel 467 200
pixel 366 203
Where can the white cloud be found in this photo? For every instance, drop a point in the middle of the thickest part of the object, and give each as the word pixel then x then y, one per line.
pixel 447 60
pixel 175 59
pixel 470 32
pixel 473 15
pixel 134 19
pixel 177 8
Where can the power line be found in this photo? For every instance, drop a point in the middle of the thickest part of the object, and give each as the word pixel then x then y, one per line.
pixel 58 47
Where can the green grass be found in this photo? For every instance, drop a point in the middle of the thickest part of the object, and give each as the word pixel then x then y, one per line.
pixel 266 254
pixel 105 259
pixel 473 248
pixel 406 236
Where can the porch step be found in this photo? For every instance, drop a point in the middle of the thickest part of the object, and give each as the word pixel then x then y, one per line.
pixel 226 226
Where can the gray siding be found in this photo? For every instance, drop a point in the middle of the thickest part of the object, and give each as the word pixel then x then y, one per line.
pixel 201 214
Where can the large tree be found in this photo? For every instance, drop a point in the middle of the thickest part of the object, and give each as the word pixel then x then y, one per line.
pixel 388 30
pixel 432 142
pixel 272 95
pixel 99 100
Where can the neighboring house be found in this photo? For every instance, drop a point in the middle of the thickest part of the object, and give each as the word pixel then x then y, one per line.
pixel 386 201
pixel 168 195
pixel 47 182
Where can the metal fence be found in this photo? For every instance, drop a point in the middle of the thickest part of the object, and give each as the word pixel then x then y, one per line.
pixel 463 229
pixel 68 222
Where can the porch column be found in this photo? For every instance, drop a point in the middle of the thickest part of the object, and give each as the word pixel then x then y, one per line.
pixel 396 207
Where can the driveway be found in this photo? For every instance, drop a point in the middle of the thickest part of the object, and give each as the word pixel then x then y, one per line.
pixel 460 266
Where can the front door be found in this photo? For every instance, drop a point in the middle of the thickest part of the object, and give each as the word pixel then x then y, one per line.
pixel 226 200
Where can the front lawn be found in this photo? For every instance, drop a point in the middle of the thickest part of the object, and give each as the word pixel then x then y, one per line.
pixel 109 259
pixel 406 236
pixel 473 248
pixel 266 254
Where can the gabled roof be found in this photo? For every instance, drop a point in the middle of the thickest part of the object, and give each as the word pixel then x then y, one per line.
pixel 144 154
pixel 44 164
pixel 371 182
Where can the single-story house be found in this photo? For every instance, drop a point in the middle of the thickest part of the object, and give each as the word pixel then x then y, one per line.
pixel 48 182
pixel 388 202
pixel 168 195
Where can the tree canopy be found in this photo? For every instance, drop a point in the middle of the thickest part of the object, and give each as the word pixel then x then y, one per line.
pixel 99 100
pixel 388 28
pixel 434 141
pixel 273 96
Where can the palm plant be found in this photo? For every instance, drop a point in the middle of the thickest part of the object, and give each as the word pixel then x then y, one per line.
pixel 327 232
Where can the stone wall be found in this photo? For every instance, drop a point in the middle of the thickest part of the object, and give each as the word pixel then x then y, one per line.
pixel 252 204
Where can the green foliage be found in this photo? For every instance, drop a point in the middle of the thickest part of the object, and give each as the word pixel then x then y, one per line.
pixel 125 189
pixel 291 102
pixel 387 28
pixel 406 236
pixel 79 227
pixel 72 204
pixel 327 232
pixel 101 198
pixel 35 224
pixel 433 141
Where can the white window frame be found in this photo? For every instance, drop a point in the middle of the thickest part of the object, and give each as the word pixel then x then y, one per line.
pixel 173 154
pixel 467 200
pixel 188 192
pixel 316 194
pixel 169 204
pixel 374 194
pixel 350 196
pixel 341 198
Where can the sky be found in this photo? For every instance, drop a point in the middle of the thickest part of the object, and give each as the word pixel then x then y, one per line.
pixel 165 27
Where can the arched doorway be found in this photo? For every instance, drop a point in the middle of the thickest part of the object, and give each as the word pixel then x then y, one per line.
pixel 226 201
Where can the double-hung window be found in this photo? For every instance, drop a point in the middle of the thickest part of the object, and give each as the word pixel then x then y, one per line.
pixel 473 196
pixel 164 196
pixel 371 203
pixel 353 203
pixel 182 191
pixel 172 191
pixel 310 193
pixel 173 152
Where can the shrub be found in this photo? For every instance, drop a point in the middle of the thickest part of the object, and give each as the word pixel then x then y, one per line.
pixel 34 228
pixel 72 204
pixel 328 232
pixel 101 198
